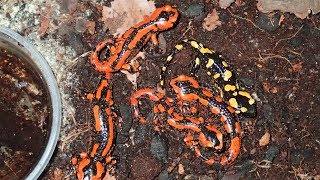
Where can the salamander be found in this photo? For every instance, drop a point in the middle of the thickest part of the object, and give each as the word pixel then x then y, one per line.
pixel 128 45
pixel 201 133
pixel 219 68
pixel 92 165
pixel 110 56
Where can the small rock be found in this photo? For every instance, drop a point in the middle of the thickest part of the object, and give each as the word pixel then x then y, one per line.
pixel 121 139
pixel 235 176
pixel 164 175
pixel 123 131
pixel 145 167
pixel 268 23
pixel 268 113
pixel 298 155
pixel 126 117
pixel 245 167
pixel 159 148
pixel 140 135
pixel 223 16
pixel 75 41
pixel 271 153
pixel 296 41
pixel 195 11
pixel 247 82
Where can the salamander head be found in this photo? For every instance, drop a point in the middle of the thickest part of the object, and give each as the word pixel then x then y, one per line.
pixel 165 17
pixel 244 105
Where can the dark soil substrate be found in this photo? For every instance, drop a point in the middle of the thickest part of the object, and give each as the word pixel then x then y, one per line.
pixel 279 64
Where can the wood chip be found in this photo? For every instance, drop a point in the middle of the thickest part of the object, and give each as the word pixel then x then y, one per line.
pixel 211 22
pixel 265 139
pixel 180 169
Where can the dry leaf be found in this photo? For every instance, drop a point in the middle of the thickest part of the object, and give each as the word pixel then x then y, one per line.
pixel 180 169
pixel 211 22
pixel 265 139
pixel 124 14
pixel 45 23
pixel 44 18
pixel 266 86
pixel 274 90
pixel 90 26
pixel 72 5
pixel 297 67
pixel 58 174
pixel 131 77
pixel 225 3
pixel 300 8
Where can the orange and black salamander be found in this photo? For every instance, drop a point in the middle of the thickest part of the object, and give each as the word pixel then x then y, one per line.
pixel 110 56
pixel 129 44
pixel 201 133
pixel 92 165
pixel 220 69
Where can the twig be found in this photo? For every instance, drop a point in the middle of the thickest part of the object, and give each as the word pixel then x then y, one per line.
pixel 294 35
pixel 294 52
pixel 246 19
pixel 13 171
pixel 73 135
pixel 264 164
pixel 271 56
pixel 73 61
pixel 187 30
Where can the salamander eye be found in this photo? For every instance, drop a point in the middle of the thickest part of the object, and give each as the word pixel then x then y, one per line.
pixel 164 16
pixel 163 19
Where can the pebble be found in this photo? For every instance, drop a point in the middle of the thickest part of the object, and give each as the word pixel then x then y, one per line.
pixel 158 148
pixel 195 11
pixel 164 175
pixel 268 113
pixel 141 133
pixel 296 41
pixel 123 131
pixel 268 23
pixel 271 153
pixel 301 155
pixel 145 167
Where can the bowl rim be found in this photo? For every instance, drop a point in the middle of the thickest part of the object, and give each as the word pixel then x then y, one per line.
pixel 50 82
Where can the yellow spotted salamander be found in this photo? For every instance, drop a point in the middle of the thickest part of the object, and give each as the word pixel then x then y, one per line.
pixel 220 70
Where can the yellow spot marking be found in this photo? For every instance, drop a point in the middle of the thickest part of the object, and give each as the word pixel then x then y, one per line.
pixel 235 93
pixel 225 64
pixel 227 75
pixel 185 40
pixel 197 61
pixel 246 94
pixel 251 101
pixel 216 76
pixel 194 44
pixel 233 102
pixel 243 109
pixel 160 77
pixel 179 47
pixel 209 73
pixel 229 87
pixel 161 82
pixel 205 50
pixel 210 63
pixel 237 112
pixel 169 58
pixel 164 68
